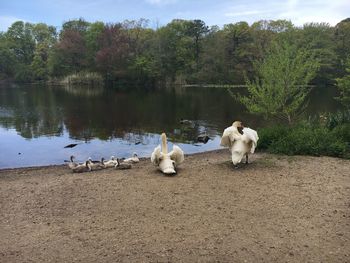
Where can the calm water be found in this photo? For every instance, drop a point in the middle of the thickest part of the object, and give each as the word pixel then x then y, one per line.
pixel 37 121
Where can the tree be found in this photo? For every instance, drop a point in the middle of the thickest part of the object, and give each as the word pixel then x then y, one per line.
pixel 69 54
pixel 281 88
pixel 343 85
pixel 197 30
pixel 7 59
pixel 319 38
pixel 111 59
pixel 92 36
pixel 238 50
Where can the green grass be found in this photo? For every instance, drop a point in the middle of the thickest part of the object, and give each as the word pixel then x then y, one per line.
pixel 83 78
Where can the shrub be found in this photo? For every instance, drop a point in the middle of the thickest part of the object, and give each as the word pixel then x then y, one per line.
pixel 307 139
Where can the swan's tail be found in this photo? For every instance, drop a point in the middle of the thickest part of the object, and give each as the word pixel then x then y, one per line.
pixel 164 144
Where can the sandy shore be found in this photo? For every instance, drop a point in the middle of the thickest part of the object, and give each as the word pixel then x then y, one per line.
pixel 276 209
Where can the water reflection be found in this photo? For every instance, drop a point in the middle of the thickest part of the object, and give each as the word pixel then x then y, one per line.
pixel 38 121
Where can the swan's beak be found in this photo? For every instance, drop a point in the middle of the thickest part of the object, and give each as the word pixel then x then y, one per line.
pixel 169 171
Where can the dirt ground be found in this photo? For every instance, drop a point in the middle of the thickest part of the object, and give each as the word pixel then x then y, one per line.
pixel 276 209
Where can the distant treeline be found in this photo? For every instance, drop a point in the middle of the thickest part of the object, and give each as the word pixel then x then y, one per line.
pixel 183 51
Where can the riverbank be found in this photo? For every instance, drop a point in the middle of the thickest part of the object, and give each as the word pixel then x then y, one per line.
pixel 278 208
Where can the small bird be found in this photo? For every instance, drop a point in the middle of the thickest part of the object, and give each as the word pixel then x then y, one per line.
pixel 122 165
pixel 240 141
pixel 167 162
pixel 97 165
pixel 204 138
pixel 71 163
pixel 110 163
pixel 133 159
pixel 81 168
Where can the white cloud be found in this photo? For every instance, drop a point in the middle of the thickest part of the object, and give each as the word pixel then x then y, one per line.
pixel 7 21
pixel 315 11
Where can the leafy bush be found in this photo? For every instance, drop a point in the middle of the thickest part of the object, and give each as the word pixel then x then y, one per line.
pixel 307 139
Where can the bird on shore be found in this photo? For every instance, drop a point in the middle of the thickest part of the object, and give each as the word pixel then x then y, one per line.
pixel 96 165
pixel 122 165
pixel 167 162
pixel 110 163
pixel 81 168
pixel 241 141
pixel 133 159
pixel 71 163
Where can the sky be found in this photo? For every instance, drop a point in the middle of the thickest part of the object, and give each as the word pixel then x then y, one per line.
pixel 161 12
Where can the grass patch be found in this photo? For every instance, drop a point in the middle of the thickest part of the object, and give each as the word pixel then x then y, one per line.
pixel 83 79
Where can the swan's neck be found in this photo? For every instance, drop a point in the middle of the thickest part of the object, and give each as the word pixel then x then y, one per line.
pixel 164 144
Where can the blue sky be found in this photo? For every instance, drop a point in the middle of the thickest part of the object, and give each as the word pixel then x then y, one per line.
pixel 160 12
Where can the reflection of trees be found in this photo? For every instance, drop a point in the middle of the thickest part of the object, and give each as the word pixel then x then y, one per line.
pixel 82 90
pixel 33 111
pixel 109 114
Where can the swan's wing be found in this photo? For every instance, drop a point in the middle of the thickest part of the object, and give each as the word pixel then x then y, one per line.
pixel 228 137
pixel 252 135
pixel 156 155
pixel 177 155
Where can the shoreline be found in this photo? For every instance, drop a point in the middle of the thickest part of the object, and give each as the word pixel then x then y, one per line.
pixel 65 165
pixel 277 208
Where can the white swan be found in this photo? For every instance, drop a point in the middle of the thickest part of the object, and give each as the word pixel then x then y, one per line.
pixel 133 159
pixel 167 162
pixel 240 141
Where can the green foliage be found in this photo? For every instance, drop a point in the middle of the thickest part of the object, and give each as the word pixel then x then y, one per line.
pixel 306 139
pixel 343 85
pixel 185 50
pixel 281 87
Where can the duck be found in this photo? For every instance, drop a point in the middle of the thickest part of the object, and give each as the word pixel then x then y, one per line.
pixel 81 168
pixel 122 165
pixel 97 165
pixel 204 138
pixel 240 140
pixel 110 163
pixel 133 159
pixel 167 161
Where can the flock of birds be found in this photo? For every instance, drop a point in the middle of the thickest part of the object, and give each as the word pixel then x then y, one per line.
pixel 240 140
pixel 90 165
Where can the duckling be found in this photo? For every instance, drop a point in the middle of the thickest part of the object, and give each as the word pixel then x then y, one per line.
pixel 71 163
pixel 133 159
pixel 97 165
pixel 110 163
pixel 81 168
pixel 122 165
pixel 204 138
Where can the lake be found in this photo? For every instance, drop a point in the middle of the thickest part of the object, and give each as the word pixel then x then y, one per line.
pixel 38 121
